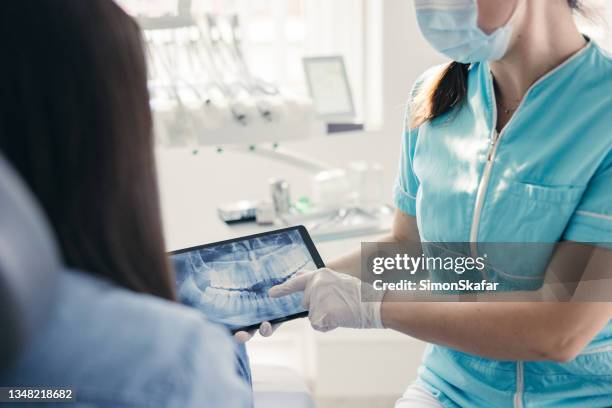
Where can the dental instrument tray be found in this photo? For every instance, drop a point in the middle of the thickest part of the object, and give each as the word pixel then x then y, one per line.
pixel 229 280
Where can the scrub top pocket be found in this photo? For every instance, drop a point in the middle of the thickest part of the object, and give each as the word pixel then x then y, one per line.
pixel 524 212
pixel 542 195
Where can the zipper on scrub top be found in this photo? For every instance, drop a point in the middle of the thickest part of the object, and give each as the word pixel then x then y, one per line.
pixel 520 385
pixel 492 146
pixel 483 187
pixel 481 192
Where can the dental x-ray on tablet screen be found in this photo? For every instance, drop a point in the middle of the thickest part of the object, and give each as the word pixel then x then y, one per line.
pixel 229 280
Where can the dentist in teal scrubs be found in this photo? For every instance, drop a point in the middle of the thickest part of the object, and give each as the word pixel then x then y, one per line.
pixel 510 142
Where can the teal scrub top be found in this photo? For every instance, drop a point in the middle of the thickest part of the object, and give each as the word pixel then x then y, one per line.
pixel 547 177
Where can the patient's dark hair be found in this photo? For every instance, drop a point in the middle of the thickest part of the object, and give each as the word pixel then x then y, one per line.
pixel 75 122
pixel 448 89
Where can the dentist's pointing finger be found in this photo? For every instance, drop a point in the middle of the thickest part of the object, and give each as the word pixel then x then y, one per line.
pixel 298 283
pixel 335 299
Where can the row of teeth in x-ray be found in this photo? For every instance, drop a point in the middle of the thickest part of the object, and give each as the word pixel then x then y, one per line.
pixel 246 306
pixel 248 250
pixel 268 270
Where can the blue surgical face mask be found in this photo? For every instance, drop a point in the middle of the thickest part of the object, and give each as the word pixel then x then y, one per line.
pixel 451 27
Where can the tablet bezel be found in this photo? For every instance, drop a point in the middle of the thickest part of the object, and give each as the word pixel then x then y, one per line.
pixel 312 250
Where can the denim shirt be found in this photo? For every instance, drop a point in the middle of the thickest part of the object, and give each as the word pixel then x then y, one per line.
pixel 118 349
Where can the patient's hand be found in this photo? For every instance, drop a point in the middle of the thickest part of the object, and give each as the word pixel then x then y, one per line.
pixel 265 329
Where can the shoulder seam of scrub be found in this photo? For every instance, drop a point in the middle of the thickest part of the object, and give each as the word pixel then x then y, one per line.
pixel 604 52
pixel 600 216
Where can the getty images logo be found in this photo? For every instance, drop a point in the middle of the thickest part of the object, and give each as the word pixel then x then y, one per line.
pixel 412 264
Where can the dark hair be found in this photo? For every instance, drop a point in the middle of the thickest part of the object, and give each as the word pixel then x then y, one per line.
pixel 75 122
pixel 447 89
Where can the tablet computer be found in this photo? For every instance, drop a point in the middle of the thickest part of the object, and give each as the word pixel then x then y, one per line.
pixel 229 280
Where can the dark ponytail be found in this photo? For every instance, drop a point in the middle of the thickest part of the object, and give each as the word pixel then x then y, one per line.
pixel 447 89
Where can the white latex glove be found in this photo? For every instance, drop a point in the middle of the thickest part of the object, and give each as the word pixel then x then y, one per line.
pixel 265 329
pixel 334 300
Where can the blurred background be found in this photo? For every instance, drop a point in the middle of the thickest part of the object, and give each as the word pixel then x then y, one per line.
pixel 330 80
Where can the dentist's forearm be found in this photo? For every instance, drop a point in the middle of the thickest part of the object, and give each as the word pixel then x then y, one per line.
pixel 502 331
